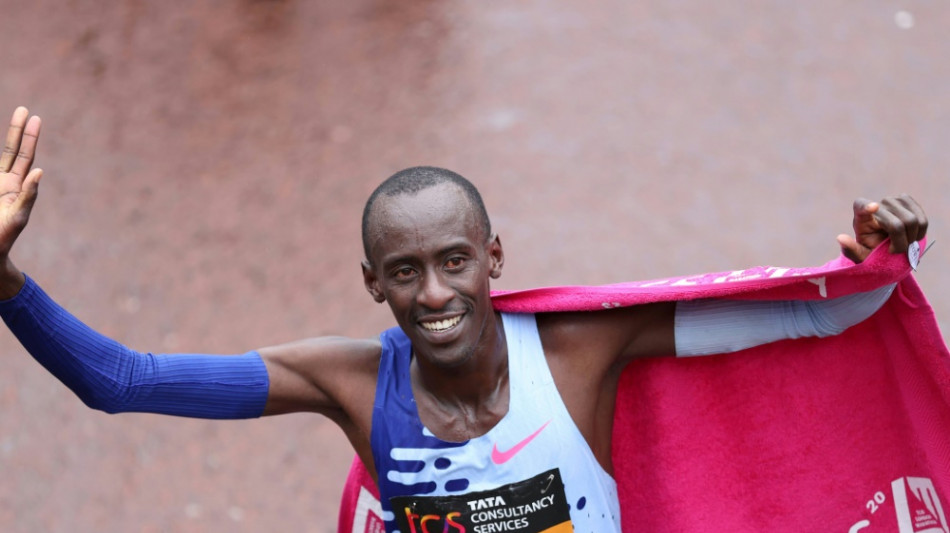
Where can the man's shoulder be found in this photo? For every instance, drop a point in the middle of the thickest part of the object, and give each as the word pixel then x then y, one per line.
pixel 326 352
pixel 574 326
pixel 610 331
pixel 357 350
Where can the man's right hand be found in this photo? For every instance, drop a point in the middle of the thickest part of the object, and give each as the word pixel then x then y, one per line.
pixel 18 187
pixel 899 218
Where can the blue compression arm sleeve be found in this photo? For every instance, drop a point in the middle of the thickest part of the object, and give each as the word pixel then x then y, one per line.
pixel 113 378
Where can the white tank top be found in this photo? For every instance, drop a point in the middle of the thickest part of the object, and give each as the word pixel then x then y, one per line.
pixel 533 472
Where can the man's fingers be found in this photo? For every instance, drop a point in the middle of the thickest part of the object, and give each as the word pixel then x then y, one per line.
pixel 863 206
pixel 912 225
pixel 899 218
pixel 14 134
pixel 24 158
pixel 864 220
pixel 892 221
pixel 31 187
pixel 918 215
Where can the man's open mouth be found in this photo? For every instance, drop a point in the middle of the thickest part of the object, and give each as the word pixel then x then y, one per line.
pixel 437 326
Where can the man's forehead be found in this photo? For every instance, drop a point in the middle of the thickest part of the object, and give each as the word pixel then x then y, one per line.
pixel 442 201
pixel 429 218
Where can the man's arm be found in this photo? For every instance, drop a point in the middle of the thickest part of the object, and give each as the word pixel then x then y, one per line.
pixel 304 376
pixel 113 378
pixel 310 375
pixel 713 326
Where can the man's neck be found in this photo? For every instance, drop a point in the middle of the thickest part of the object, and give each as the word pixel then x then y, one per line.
pixel 467 400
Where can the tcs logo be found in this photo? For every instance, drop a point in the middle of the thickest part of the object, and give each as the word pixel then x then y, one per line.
pixel 425 521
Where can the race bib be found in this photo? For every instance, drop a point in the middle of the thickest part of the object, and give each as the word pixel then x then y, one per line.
pixel 535 505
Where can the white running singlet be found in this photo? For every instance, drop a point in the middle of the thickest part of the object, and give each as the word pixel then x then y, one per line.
pixel 531 473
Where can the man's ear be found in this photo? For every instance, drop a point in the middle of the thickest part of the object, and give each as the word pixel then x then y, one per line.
pixel 497 256
pixel 372 282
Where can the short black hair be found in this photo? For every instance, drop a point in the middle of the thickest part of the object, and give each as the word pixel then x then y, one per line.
pixel 415 179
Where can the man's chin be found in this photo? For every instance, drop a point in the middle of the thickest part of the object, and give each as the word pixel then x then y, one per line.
pixel 450 361
pixel 445 356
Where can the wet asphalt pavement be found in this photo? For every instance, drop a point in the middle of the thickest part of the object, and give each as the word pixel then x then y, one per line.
pixel 206 164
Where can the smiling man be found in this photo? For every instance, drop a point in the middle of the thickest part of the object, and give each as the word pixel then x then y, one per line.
pixel 430 253
pixel 467 418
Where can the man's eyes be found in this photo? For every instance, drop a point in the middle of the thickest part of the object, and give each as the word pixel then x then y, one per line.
pixel 404 273
pixel 455 263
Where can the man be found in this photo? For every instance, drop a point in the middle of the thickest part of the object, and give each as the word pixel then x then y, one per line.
pixel 460 403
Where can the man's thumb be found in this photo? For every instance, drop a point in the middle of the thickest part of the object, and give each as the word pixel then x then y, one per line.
pixel 850 247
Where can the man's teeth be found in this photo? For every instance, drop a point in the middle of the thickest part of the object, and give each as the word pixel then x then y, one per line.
pixel 441 325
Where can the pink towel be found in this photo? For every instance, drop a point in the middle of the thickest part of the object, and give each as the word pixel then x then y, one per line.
pixel 843 434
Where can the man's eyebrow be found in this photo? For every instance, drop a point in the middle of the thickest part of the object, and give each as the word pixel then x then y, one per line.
pixel 454 247
pixel 389 262
pixel 462 245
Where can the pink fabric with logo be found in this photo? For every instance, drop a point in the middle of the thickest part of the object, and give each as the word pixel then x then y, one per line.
pixel 848 433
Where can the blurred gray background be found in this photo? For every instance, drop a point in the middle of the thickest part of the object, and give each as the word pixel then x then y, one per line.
pixel 206 164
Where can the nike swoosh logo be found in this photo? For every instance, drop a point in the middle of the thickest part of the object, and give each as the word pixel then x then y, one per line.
pixel 499 457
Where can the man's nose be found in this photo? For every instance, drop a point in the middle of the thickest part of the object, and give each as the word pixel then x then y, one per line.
pixel 435 293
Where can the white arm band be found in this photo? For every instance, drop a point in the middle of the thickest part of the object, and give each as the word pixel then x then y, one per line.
pixel 705 327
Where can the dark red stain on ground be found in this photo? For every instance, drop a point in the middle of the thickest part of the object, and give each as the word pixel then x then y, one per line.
pixel 206 164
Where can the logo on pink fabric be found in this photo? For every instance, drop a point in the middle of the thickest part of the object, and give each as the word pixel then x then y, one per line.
pixel 366 516
pixel 918 506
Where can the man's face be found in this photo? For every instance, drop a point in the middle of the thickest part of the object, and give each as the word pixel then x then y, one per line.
pixel 432 263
